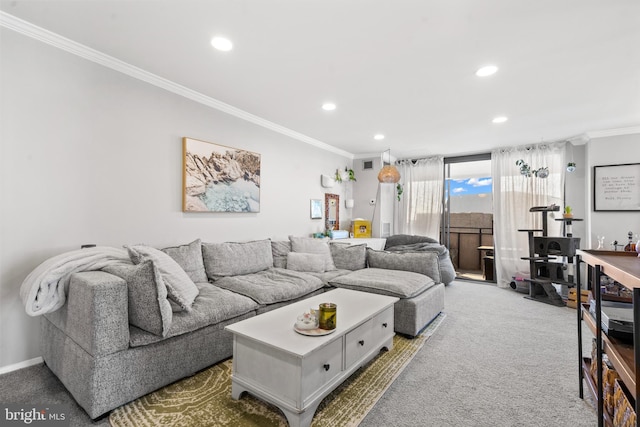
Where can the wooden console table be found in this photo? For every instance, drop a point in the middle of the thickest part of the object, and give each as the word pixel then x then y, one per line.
pixel 623 267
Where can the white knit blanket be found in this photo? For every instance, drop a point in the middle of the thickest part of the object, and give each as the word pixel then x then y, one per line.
pixel 44 289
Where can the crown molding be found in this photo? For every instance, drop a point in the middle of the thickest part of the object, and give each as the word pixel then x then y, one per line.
pixel 48 37
pixel 376 155
pixel 613 132
pixel 580 139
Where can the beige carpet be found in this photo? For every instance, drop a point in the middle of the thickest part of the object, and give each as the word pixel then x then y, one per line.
pixel 205 398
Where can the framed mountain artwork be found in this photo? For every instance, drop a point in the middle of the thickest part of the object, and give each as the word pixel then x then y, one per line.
pixel 217 178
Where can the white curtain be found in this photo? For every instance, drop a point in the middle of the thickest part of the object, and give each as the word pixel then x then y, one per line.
pixel 514 194
pixel 419 209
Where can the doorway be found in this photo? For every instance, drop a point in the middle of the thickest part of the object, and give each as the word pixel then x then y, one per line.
pixel 467 223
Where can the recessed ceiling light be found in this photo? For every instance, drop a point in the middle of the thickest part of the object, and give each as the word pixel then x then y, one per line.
pixel 222 44
pixel 487 70
pixel 328 106
pixel 378 137
pixel 500 119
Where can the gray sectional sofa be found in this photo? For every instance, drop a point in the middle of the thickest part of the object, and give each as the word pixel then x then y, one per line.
pixel 133 328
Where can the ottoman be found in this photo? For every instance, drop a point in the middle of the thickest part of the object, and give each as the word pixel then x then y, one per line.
pixel 421 299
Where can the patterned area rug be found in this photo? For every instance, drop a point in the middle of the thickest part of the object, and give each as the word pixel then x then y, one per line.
pixel 205 398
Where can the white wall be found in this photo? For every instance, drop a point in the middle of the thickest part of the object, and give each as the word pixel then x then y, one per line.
pixel 89 155
pixel 576 189
pixel 366 189
pixel 610 150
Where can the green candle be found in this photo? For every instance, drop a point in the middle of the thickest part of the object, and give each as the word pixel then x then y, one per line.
pixel 327 318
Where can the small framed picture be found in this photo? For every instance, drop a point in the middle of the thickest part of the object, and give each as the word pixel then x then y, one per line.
pixel 316 209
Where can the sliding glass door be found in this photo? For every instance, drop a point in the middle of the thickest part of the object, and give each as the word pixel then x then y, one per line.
pixel 467 223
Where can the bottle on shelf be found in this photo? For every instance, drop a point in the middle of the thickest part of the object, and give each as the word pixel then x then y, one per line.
pixel 631 246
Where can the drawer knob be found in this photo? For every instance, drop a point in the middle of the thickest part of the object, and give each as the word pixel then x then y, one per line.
pixel 326 366
pixel 361 342
pixel 384 324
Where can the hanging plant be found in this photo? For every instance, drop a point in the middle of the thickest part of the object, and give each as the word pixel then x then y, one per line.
pixel 526 170
pixel 542 172
pixel 348 175
pixel 399 191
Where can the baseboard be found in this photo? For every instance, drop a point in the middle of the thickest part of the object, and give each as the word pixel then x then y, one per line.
pixel 20 365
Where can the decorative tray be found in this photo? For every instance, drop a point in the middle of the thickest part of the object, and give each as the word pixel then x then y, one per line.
pixel 317 332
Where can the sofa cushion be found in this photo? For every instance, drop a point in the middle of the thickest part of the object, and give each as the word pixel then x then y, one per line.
pixel 327 276
pixel 213 305
pixel 232 259
pixel 148 306
pixel 189 257
pixel 418 262
pixel 313 246
pixel 273 285
pixel 180 287
pixel 279 250
pixel 396 283
pixel 299 261
pixel 348 257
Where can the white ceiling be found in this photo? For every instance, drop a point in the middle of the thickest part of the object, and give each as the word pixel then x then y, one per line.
pixel 401 68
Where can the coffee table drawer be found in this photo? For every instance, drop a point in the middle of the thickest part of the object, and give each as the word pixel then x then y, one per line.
pixel 358 343
pixel 320 368
pixel 383 325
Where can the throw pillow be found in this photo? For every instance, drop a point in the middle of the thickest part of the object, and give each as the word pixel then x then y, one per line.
pixel 180 287
pixel 280 249
pixel 189 257
pixel 349 257
pixel 418 262
pixel 233 259
pixel 310 245
pixel 148 306
pixel 311 263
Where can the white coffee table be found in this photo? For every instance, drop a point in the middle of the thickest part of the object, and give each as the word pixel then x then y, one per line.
pixel 295 372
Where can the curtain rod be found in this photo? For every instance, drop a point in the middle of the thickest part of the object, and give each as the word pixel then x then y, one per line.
pixel 413 161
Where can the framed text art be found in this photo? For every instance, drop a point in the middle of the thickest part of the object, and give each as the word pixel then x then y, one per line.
pixel 616 187
pixel 218 178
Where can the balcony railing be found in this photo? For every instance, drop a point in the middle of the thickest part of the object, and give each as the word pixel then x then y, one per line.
pixel 464 243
